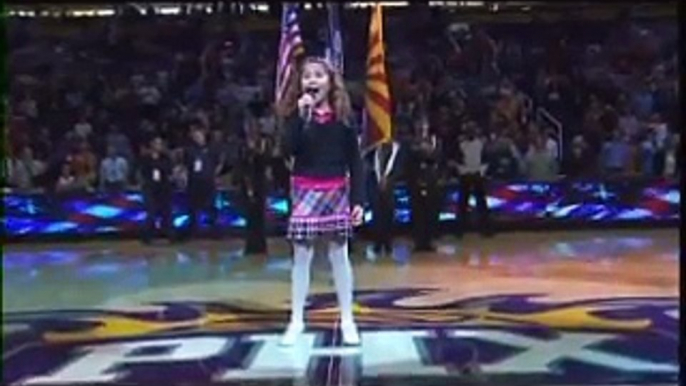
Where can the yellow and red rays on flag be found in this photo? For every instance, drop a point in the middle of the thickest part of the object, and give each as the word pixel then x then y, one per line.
pixel 377 96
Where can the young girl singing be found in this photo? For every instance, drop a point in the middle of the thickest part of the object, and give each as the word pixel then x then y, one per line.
pixel 326 186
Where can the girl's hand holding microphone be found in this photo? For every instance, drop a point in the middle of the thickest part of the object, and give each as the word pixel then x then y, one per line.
pixel 305 106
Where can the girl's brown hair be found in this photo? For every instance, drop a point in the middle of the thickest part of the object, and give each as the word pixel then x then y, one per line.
pixel 338 97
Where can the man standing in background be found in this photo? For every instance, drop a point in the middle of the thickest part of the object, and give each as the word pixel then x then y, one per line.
pixel 471 168
pixel 252 177
pixel 425 194
pixel 386 169
pixel 202 165
pixel 158 191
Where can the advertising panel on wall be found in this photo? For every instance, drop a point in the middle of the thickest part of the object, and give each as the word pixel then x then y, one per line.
pixel 511 203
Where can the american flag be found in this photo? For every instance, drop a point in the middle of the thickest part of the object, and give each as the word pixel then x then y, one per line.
pixel 290 48
pixel 334 44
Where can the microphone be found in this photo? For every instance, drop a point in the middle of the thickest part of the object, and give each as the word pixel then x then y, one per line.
pixel 308 114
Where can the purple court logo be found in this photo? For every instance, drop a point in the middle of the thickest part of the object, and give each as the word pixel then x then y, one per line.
pixel 503 338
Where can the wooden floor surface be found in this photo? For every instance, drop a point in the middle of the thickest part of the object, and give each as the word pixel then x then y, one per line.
pixel 538 308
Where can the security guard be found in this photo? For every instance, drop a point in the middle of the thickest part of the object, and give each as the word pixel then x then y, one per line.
pixel 425 195
pixel 155 171
pixel 203 166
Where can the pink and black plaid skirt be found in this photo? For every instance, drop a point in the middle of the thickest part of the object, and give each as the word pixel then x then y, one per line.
pixel 319 206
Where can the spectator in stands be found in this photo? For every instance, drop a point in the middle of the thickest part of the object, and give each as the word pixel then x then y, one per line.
pixel 138 82
pixel 660 129
pixel 577 160
pixel 628 122
pixel 19 130
pixel 24 169
pixel 540 164
pixel 632 166
pixel 551 143
pixel 643 101
pixel 42 143
pixel 646 154
pixel 114 171
pixel 74 97
pixel 83 128
pixel 149 98
pixel 615 155
pixel 28 107
pixel 84 165
pixel 671 157
pixel 609 120
pixel 500 157
pixel 67 181
pixel 509 105
pixel 553 93
pixel 119 142
pixel 592 127
pixel 659 134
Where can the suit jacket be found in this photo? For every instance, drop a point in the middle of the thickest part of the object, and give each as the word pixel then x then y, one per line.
pixel 378 167
pixel 423 166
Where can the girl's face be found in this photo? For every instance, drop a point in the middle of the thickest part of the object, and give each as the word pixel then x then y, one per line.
pixel 316 78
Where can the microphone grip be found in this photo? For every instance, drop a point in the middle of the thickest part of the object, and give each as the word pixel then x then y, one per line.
pixel 307 116
pixel 307 109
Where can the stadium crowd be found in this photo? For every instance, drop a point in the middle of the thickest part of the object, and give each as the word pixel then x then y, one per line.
pixel 86 96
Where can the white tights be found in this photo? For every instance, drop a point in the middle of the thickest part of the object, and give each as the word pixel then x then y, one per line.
pixel 342 274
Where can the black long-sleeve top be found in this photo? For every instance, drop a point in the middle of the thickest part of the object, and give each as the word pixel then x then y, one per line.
pixel 205 159
pixel 325 150
pixel 251 169
pixel 423 164
pixel 156 173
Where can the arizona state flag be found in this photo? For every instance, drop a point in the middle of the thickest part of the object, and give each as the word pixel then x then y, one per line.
pixel 377 115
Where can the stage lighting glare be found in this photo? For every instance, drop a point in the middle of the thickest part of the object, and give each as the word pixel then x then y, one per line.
pixel 169 10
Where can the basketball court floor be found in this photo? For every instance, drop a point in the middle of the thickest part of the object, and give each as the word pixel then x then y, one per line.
pixel 540 308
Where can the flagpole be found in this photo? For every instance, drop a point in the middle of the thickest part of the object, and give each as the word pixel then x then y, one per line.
pixel 290 49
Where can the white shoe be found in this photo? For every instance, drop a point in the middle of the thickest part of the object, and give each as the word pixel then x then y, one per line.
pixel 350 334
pixel 292 333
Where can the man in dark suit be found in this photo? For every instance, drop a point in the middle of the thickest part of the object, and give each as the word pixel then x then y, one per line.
pixel 155 172
pixel 386 168
pixel 426 196
pixel 252 172
pixel 203 166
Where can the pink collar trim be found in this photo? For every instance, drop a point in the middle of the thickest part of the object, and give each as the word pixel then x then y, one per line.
pixel 323 115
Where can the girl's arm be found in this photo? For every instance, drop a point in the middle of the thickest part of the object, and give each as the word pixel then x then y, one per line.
pixel 292 138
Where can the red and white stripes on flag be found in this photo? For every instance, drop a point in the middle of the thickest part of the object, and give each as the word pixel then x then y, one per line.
pixel 290 48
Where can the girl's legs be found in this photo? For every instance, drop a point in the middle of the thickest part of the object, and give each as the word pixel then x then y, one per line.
pixel 300 285
pixel 343 279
